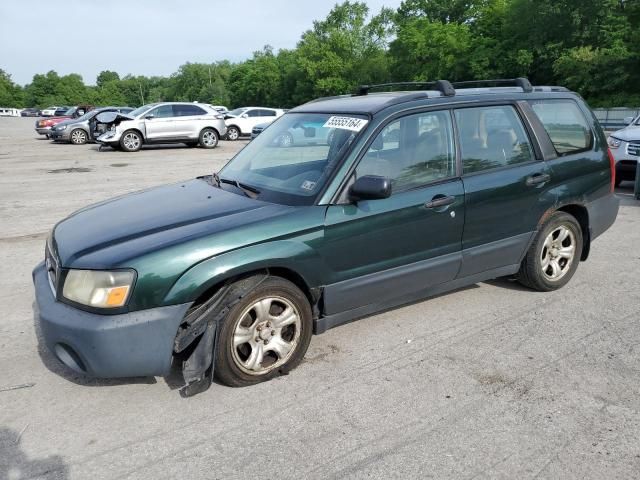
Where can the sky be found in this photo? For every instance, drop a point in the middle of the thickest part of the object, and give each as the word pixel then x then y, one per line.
pixel 147 37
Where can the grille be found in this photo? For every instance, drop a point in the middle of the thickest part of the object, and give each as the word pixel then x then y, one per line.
pixel 634 149
pixel 52 268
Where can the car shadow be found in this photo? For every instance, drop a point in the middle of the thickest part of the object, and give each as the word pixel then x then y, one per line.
pixel 16 464
pixel 56 366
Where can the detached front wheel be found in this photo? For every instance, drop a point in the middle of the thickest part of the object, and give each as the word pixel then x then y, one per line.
pixel 264 335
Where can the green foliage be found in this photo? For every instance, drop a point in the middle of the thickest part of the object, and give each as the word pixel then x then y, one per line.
pixel 590 46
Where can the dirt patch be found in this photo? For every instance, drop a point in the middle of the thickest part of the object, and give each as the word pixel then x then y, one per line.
pixel 120 164
pixel 71 170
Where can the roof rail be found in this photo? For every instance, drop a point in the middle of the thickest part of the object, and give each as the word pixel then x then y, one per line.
pixel 521 82
pixel 443 86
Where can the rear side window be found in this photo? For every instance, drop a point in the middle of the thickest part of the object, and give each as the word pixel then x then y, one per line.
pixel 565 123
pixel 187 110
pixel 492 137
pixel 253 113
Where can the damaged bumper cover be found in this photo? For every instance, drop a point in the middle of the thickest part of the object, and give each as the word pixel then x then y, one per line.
pixel 134 344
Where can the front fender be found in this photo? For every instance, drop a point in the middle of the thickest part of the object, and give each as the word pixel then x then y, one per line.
pixel 292 255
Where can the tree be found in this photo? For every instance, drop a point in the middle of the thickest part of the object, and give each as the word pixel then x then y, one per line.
pixel 106 76
pixel 11 95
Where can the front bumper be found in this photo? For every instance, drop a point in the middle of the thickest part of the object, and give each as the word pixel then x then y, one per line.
pixel 109 138
pixel 59 135
pixel 133 344
pixel 625 161
pixel 44 130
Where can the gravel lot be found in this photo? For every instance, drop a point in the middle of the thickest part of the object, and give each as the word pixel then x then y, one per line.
pixel 493 381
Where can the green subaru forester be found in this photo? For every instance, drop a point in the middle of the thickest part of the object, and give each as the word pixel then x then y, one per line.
pixel 375 200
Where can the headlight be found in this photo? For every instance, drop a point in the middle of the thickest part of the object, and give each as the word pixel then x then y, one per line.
pixel 61 127
pixel 613 142
pixel 98 289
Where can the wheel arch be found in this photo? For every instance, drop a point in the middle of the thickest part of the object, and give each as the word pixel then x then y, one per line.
pixel 581 214
pixel 135 129
pixel 209 127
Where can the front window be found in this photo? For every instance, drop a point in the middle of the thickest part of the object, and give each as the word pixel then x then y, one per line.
pixel 141 110
pixel 290 161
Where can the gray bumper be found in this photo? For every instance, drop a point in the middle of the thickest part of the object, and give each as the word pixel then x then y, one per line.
pixel 128 345
pixel 602 214
pixel 43 130
pixel 62 135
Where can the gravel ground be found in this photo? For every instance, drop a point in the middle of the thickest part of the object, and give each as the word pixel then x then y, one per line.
pixel 492 381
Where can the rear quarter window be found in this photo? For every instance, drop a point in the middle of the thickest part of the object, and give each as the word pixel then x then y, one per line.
pixel 566 125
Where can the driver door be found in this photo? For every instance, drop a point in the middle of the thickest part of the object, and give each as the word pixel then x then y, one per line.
pixel 160 124
pixel 381 250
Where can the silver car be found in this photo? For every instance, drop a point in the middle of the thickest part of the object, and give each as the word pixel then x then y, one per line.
pixel 174 122
pixel 84 129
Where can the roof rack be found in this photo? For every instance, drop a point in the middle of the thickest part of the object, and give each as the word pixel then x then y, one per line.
pixel 448 89
pixel 521 82
pixel 443 86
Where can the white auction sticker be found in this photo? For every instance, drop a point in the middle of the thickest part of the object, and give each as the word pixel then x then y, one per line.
pixel 346 123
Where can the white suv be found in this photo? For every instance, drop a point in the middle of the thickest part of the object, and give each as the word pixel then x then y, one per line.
pixel 242 120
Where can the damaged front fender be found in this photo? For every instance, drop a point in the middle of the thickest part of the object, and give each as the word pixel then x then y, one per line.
pixel 197 333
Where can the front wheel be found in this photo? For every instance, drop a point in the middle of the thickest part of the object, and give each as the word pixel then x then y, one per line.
pixel 131 141
pixel 233 133
pixel 208 138
pixel 554 255
pixel 264 335
pixel 78 137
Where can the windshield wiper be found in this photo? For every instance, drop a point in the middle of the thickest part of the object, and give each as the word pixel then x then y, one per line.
pixel 248 190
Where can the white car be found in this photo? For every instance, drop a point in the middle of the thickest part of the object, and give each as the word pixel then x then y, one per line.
pixel 241 121
pixel 49 111
pixel 624 145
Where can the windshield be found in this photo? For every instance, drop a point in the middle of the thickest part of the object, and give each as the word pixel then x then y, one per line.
pixel 87 116
pixel 70 112
pixel 237 112
pixel 291 160
pixel 140 110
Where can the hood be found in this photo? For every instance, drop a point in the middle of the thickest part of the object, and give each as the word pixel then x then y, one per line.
pixel 110 233
pixel 628 134
pixel 68 121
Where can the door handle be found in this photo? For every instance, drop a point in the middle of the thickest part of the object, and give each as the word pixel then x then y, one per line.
pixel 440 201
pixel 537 179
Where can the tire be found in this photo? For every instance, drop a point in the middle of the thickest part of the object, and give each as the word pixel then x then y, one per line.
pixel 233 133
pixel 554 255
pixel 285 140
pixel 78 136
pixel 208 138
pixel 269 350
pixel 131 141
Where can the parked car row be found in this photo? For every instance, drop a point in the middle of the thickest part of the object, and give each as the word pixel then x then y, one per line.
pixel 128 129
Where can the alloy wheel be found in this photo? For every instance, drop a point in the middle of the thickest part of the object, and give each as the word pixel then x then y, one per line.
pixel 558 253
pixel 131 141
pixel 266 335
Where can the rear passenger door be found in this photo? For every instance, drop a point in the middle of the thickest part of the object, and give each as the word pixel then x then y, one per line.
pixel 189 120
pixel 505 185
pixel 379 250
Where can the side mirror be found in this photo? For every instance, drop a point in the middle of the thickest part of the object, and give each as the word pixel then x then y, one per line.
pixel 628 120
pixel 244 115
pixel 150 116
pixel 370 187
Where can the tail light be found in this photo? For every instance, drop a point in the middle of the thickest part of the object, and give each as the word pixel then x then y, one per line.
pixel 612 165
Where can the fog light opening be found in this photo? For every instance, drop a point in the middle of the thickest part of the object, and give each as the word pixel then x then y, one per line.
pixel 70 358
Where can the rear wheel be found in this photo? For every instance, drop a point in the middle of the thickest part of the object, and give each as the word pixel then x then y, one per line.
pixel 131 141
pixel 554 255
pixel 233 133
pixel 78 137
pixel 264 335
pixel 208 138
